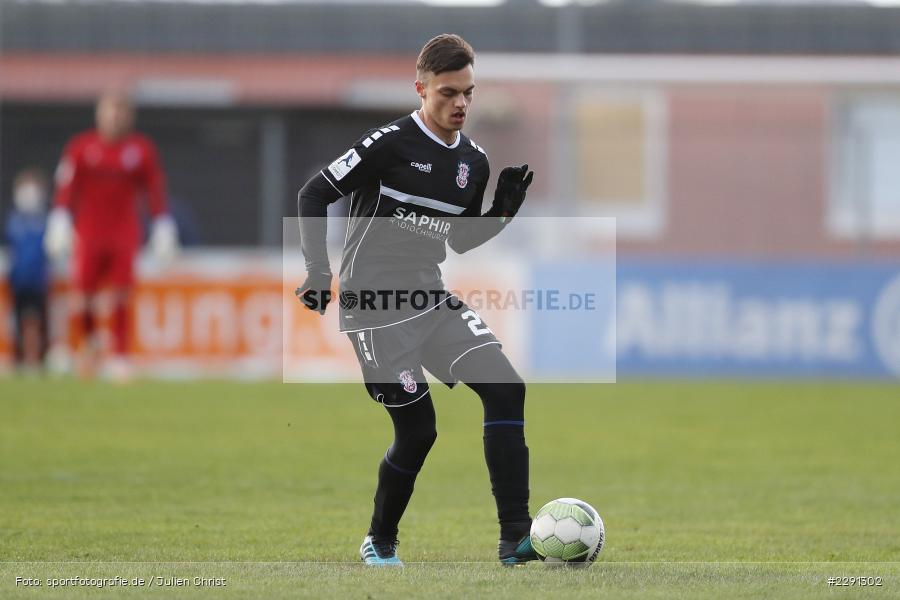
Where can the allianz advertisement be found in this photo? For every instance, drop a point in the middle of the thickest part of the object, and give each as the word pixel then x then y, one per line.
pixel 736 319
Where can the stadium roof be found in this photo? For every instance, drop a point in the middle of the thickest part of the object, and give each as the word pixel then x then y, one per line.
pixel 615 26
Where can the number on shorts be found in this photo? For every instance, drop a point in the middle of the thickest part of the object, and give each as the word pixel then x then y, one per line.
pixel 474 323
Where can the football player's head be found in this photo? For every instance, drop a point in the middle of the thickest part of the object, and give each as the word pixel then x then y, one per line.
pixel 445 81
pixel 30 191
pixel 115 114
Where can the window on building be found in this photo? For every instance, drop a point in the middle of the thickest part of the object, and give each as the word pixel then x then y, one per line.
pixel 619 158
pixel 865 169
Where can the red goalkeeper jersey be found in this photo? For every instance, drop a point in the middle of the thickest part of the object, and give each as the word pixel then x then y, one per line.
pixel 101 182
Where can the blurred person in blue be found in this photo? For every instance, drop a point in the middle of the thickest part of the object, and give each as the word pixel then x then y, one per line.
pixel 29 268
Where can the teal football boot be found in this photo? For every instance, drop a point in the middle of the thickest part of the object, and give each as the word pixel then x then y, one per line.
pixel 514 553
pixel 379 553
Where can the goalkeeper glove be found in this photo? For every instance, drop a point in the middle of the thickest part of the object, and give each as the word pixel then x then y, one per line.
pixel 164 238
pixel 511 187
pixel 315 293
pixel 58 236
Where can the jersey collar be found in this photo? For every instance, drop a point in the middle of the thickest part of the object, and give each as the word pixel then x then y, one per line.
pixel 429 133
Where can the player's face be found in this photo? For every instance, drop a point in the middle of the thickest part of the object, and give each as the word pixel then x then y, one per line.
pixel 30 196
pixel 114 116
pixel 446 98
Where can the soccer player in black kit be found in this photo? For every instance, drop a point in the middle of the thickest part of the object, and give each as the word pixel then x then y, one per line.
pixel 416 186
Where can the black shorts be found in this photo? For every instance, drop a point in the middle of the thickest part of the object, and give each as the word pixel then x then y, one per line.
pixel 392 357
pixel 26 303
pixel 29 305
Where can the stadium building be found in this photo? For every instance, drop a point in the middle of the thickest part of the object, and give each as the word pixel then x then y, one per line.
pixel 746 153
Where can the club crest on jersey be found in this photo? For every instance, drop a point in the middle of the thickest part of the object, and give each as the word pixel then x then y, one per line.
pixel 408 381
pixel 131 157
pixel 462 175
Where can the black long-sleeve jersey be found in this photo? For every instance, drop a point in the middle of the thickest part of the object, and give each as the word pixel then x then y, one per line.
pixel 408 191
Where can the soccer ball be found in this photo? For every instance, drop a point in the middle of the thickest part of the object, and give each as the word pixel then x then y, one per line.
pixel 567 530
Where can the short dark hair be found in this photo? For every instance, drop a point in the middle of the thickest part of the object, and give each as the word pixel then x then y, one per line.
pixel 31 174
pixel 445 52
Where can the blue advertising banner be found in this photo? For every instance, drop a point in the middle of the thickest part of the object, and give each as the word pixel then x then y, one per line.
pixel 573 338
pixel 735 319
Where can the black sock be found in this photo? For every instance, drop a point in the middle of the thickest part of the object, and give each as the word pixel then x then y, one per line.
pixel 414 435
pixel 392 495
pixel 507 460
pixel 502 392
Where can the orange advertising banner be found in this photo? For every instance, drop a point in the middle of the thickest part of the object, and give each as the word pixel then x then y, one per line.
pixel 225 314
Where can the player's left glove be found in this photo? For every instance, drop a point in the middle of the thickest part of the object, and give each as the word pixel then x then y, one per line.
pixel 511 187
pixel 315 293
pixel 164 238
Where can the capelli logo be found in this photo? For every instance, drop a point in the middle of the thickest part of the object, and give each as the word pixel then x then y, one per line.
pixel 426 168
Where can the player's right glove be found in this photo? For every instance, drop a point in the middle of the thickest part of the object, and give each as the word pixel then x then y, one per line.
pixel 58 236
pixel 315 293
pixel 511 187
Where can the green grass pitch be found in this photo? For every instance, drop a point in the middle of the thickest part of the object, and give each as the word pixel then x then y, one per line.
pixel 710 490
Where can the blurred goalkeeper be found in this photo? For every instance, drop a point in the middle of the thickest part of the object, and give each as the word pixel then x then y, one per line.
pixel 103 174
pixel 417 185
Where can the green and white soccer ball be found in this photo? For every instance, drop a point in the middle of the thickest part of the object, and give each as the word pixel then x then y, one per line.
pixel 568 531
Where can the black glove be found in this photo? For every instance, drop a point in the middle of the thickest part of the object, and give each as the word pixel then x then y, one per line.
pixel 315 293
pixel 511 187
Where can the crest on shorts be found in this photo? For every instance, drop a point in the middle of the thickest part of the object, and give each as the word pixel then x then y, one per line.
pixel 408 381
pixel 462 175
